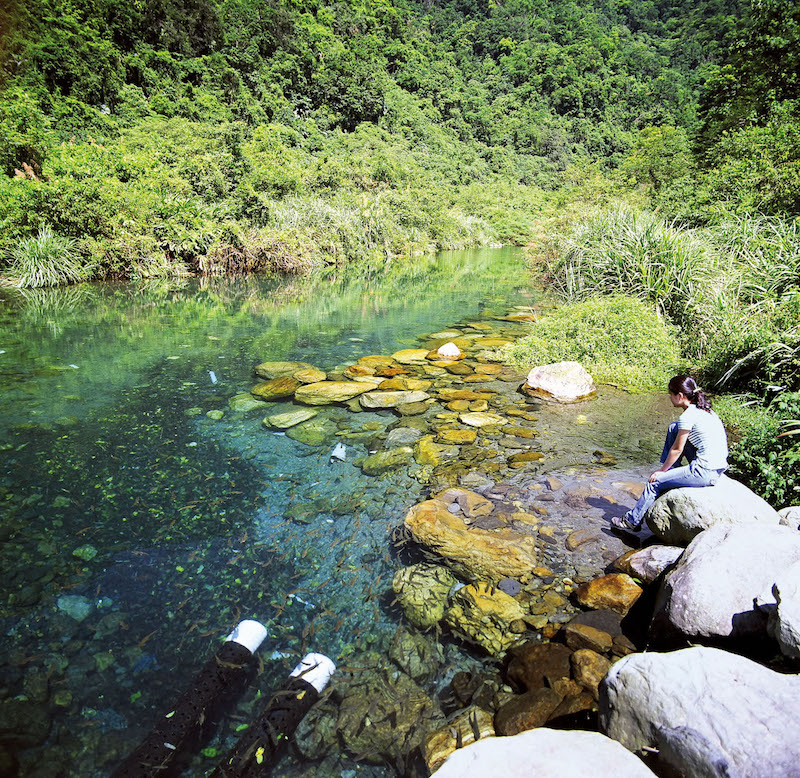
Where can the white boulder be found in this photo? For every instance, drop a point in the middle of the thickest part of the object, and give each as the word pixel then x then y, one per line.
pixel 711 591
pixel 679 515
pixel 544 753
pixel 707 712
pixel 784 618
pixel 790 517
pixel 566 382
pixel 649 562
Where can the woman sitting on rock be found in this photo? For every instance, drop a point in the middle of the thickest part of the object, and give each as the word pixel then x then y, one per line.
pixel 699 436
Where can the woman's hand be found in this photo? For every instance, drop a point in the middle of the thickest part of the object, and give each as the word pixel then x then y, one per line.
pixel 655 476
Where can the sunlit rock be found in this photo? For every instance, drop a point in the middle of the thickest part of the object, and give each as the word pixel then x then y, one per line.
pixel 471 504
pixel 456 437
pixel 479 419
pixel 427 452
pixel 486 616
pixel 678 515
pixel 616 591
pixel 381 399
pixel 410 356
pixel 470 725
pixel 473 553
pixel 704 712
pixel 328 392
pixel 565 382
pixel 275 389
pixel 270 370
pixel 283 421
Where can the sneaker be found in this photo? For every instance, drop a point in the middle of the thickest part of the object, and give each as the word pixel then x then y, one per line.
pixel 625 524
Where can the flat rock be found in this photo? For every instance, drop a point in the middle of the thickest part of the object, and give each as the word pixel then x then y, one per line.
pixel 270 370
pixel 581 537
pixel 544 753
pixel 244 403
pixel 316 432
pixel 564 382
pixel 712 589
pixel 456 437
pixel 283 421
pixel 412 409
pixel 275 389
pixel 473 553
pixel 383 399
pixel 478 419
pixel 328 392
pixel 578 636
pixel 706 712
pixel 309 375
pixel 402 436
pixel 410 356
pixel 615 591
pixel 678 515
pixel 471 504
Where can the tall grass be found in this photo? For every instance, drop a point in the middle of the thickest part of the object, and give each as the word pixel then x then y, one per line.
pixel 634 252
pixel 45 260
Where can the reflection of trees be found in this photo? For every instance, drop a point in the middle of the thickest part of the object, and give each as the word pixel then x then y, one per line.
pixel 50 307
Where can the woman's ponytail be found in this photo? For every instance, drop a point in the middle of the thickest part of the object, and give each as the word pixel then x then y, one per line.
pixel 686 385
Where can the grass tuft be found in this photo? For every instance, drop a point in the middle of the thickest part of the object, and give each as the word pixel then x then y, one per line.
pixel 45 260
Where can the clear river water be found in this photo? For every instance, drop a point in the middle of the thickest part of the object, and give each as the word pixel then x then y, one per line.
pixel 142 516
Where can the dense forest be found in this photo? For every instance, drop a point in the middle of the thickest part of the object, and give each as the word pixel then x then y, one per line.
pixel 648 147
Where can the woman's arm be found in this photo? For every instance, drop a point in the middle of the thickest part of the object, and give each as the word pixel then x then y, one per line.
pixel 674 453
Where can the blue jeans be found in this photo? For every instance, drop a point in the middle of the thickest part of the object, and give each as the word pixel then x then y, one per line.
pixel 692 474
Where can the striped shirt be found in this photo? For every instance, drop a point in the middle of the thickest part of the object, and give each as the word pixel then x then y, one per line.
pixel 707 435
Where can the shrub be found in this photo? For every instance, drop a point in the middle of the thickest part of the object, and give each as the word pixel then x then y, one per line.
pixel 765 447
pixel 620 340
pixel 46 260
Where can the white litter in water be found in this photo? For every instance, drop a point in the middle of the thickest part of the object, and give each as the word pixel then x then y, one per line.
pixel 281 655
pixel 339 452
pixel 75 367
pixel 213 376
pixel 2 351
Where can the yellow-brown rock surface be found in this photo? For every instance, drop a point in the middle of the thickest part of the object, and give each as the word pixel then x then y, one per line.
pixel 473 553
pixel 275 388
pixel 270 370
pixel 616 591
pixel 482 614
pixel 327 392
pixel 410 356
pixel 422 591
pixel 460 732
pixel 456 437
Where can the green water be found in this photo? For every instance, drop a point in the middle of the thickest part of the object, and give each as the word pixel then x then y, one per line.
pixel 194 521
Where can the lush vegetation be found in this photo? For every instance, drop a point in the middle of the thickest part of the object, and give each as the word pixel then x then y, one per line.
pixel 619 339
pixel 661 139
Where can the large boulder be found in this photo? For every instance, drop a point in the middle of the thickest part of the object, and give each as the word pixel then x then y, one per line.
pixel 422 591
pixel 544 753
pixel 564 382
pixel 472 553
pixel 790 517
pixel 679 515
pixel 784 618
pixel 706 712
pixel 711 590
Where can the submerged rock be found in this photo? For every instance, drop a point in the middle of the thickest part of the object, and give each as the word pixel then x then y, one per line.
pixel 384 461
pixel 415 654
pixel 422 591
pixel 76 606
pixel 316 432
pixel 679 515
pixel 381 399
pixel 270 370
pixel 243 403
pixel 284 421
pixel 471 725
pixel 706 712
pixel 276 389
pixel 485 616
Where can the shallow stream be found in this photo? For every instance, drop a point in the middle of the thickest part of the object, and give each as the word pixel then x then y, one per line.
pixel 143 516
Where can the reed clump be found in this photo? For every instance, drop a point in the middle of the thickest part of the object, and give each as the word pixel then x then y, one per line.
pixel 46 259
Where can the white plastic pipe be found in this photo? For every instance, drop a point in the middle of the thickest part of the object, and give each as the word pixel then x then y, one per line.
pixel 315 669
pixel 249 634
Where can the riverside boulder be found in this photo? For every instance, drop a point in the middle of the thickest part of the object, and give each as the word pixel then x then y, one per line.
pixel 544 753
pixel 784 618
pixel 711 591
pixel 678 515
pixel 706 712
pixel 564 382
